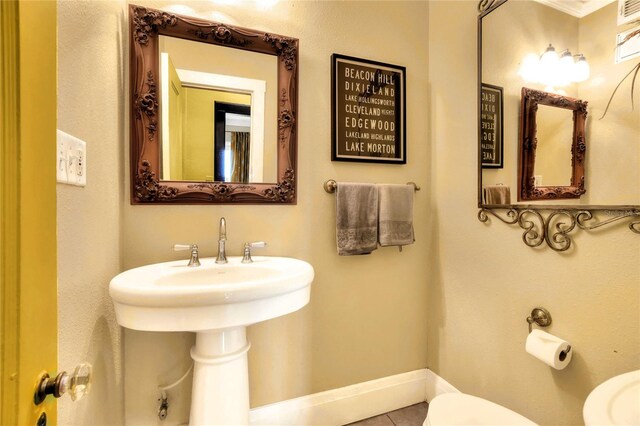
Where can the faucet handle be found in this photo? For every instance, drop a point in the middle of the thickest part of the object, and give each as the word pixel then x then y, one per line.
pixel 194 260
pixel 180 247
pixel 246 258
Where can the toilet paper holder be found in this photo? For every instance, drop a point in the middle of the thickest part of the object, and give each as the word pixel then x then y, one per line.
pixel 540 316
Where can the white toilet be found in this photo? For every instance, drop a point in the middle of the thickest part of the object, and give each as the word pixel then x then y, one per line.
pixel 461 409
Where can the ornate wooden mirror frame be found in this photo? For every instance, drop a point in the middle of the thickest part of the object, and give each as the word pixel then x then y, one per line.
pixel 549 224
pixel 145 26
pixel 528 142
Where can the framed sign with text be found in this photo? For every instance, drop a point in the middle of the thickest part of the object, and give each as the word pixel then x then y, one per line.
pixel 491 127
pixel 368 111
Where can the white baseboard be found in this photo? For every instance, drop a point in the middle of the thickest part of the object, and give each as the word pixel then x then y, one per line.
pixel 436 385
pixel 355 402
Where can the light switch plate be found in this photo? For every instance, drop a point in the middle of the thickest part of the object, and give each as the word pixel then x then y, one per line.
pixel 77 163
pixel 73 159
pixel 61 157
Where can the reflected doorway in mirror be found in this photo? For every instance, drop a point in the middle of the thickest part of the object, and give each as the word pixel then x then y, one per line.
pixel 187 109
pixel 232 141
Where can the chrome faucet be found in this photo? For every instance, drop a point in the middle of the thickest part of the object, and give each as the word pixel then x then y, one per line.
pixel 222 241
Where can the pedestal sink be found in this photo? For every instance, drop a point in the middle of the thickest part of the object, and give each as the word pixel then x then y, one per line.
pixel 614 402
pixel 217 302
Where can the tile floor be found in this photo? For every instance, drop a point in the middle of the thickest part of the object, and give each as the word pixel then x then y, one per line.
pixel 412 415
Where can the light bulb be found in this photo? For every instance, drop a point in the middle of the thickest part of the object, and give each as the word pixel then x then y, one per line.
pixel 549 55
pixel 549 63
pixel 581 70
pixel 529 68
pixel 566 68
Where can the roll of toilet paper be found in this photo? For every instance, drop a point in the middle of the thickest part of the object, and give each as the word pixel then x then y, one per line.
pixel 549 349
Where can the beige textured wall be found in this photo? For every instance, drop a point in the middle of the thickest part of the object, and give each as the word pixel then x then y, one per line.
pixel 484 281
pixel 91 107
pixel 367 315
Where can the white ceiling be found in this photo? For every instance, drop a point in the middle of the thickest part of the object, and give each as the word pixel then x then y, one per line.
pixel 577 8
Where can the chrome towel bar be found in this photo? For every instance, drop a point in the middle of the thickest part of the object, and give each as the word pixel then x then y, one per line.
pixel 331 185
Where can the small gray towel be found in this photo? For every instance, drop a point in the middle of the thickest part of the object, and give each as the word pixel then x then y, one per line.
pixel 356 218
pixel 496 194
pixel 395 215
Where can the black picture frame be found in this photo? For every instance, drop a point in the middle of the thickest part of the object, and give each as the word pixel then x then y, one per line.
pixel 368 111
pixel 491 127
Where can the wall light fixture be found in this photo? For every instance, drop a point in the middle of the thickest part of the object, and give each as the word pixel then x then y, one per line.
pixel 553 70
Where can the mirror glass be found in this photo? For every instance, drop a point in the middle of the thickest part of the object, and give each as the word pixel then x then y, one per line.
pixel 191 85
pixel 554 143
pixel 517 30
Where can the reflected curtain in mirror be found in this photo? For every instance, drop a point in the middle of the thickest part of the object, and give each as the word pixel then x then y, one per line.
pixel 240 147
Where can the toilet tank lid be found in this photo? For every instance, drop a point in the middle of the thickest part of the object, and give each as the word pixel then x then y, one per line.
pixel 462 409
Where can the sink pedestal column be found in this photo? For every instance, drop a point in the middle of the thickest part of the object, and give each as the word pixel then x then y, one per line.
pixel 220 394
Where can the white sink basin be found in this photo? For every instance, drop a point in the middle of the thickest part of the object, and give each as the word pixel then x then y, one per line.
pixel 172 296
pixel 217 302
pixel 614 402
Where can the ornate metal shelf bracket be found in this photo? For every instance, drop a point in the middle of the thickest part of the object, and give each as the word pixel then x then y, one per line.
pixel 554 226
pixel 485 6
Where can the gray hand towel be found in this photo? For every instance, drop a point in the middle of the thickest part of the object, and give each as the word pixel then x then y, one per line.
pixel 395 215
pixel 356 218
pixel 496 194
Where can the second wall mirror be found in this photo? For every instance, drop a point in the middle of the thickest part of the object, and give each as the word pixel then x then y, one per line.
pixel 565 56
pixel 213 112
pixel 515 39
